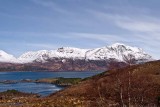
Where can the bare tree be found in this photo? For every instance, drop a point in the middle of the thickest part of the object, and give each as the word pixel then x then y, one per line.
pixel 129 59
pixel 121 91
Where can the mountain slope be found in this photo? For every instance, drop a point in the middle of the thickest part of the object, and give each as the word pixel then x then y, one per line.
pixel 137 85
pixel 33 56
pixel 4 57
pixel 117 52
pixel 75 59
pixel 44 55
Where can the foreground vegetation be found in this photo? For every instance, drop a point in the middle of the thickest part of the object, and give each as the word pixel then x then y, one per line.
pixel 57 81
pixel 133 86
pixel 60 81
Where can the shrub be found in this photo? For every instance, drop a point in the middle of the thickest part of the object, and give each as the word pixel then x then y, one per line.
pixel 12 91
pixel 159 100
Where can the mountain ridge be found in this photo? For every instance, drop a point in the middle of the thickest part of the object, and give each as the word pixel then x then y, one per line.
pixel 117 52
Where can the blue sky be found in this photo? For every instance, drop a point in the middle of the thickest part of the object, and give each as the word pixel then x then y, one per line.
pixel 48 24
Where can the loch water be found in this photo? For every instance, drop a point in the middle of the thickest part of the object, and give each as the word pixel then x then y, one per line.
pixel 42 89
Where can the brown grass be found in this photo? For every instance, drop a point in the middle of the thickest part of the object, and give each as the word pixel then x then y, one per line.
pixel 132 86
pixel 105 89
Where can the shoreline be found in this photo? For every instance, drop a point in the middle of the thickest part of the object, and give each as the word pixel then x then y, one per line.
pixel 56 81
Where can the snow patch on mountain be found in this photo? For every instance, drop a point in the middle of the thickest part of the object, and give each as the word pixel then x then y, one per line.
pixel 117 51
pixel 5 57
pixel 31 56
pixel 69 52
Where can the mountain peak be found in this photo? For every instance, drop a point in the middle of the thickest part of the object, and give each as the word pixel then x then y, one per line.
pixel 117 44
pixel 5 57
pixel 115 52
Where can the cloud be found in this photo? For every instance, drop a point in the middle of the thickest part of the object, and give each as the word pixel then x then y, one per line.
pixel 139 26
pixel 42 46
pixel 98 37
pixel 142 29
pixel 29 34
pixel 141 22
pixel 51 5
pixel 67 35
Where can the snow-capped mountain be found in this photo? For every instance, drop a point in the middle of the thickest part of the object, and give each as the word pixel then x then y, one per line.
pixel 31 56
pixel 43 55
pixel 118 52
pixel 5 57
pixel 75 59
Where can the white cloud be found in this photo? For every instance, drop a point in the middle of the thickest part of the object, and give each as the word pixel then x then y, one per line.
pixel 142 29
pixel 139 26
pixel 51 5
pixel 42 46
pixel 67 35
pixel 98 37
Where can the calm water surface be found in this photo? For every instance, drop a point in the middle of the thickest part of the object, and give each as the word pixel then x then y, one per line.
pixel 39 88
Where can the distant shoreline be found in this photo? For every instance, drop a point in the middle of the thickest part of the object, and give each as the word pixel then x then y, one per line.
pixel 59 81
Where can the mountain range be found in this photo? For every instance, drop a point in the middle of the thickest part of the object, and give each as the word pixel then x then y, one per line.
pixel 69 58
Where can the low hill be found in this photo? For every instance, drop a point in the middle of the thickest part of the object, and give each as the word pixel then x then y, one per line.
pixel 137 85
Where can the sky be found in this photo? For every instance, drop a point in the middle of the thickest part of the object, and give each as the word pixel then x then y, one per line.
pixel 31 25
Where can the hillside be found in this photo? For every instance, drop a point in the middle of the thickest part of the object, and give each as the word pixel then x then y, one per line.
pixel 137 86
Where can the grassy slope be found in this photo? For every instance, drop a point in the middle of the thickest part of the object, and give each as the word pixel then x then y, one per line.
pixel 109 89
